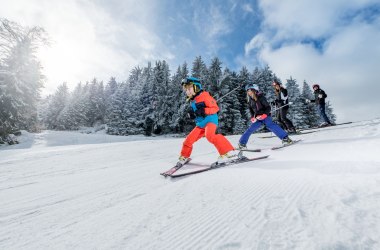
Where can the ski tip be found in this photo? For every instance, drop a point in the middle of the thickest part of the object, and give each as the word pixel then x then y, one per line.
pixel 164 175
pixel 261 157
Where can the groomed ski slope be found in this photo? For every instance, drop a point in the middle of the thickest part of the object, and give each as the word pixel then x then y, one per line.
pixel 66 190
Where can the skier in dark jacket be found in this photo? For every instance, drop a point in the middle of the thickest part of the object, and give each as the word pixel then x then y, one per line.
pixel 279 102
pixel 260 114
pixel 319 100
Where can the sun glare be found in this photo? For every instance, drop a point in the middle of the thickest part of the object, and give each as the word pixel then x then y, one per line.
pixel 61 62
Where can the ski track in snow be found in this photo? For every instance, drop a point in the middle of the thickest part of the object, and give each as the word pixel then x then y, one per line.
pixel 66 190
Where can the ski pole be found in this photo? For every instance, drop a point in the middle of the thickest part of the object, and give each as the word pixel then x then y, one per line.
pixel 230 92
pixel 281 107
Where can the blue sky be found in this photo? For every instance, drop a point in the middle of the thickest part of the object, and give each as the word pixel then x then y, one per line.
pixel 331 42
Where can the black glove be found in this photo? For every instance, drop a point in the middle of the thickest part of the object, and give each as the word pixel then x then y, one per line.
pixel 190 113
pixel 200 109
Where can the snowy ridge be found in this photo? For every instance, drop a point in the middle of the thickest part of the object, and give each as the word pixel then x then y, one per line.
pixel 323 193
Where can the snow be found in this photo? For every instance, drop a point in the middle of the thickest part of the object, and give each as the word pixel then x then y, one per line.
pixel 68 190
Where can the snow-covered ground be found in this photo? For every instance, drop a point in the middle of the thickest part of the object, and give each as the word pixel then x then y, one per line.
pixel 67 190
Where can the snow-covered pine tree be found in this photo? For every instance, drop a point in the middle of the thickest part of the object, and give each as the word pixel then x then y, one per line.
pixel 199 70
pixel 20 76
pixel 214 78
pixel 264 79
pixel 130 121
pixel 309 113
pixel 329 112
pixel 230 119
pixel 43 107
pixel 109 91
pixel 132 104
pixel 115 123
pixel 147 100
pixel 96 106
pixel 180 120
pixel 244 78
pixel 225 117
pixel 294 96
pixel 74 114
pixel 239 122
pixel 162 111
pixel 101 97
pixel 66 119
pixel 57 104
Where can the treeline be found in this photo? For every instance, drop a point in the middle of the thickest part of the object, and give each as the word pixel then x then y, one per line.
pixel 151 100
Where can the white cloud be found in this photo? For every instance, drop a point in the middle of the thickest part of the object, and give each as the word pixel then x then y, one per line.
pixel 257 42
pixel 346 67
pixel 296 19
pixel 211 24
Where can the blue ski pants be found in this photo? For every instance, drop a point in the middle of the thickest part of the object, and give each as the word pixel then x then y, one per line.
pixel 322 112
pixel 277 130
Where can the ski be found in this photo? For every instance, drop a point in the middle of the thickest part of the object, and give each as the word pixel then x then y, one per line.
pixel 286 145
pixel 333 125
pixel 249 150
pixel 303 133
pixel 290 134
pixel 175 168
pixel 216 165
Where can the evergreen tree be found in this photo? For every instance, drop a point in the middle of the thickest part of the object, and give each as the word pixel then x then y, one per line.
pixel 162 106
pixel 230 118
pixel 74 113
pixel 96 103
pixel 56 106
pixel 267 83
pixel 309 113
pixel 147 100
pixel 110 89
pixel 43 108
pixel 115 123
pixel 329 112
pixel 199 69
pixel 20 76
pixel 294 96
pixel 132 104
pixel 214 78
pixel 225 118
pixel 180 120
pixel 244 78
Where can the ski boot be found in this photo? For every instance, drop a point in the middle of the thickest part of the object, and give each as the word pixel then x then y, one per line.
pixel 182 160
pixel 229 156
pixel 286 140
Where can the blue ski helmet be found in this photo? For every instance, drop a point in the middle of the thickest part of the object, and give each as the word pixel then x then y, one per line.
pixel 194 81
pixel 251 86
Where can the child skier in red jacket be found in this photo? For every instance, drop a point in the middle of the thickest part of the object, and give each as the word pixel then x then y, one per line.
pixel 204 110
